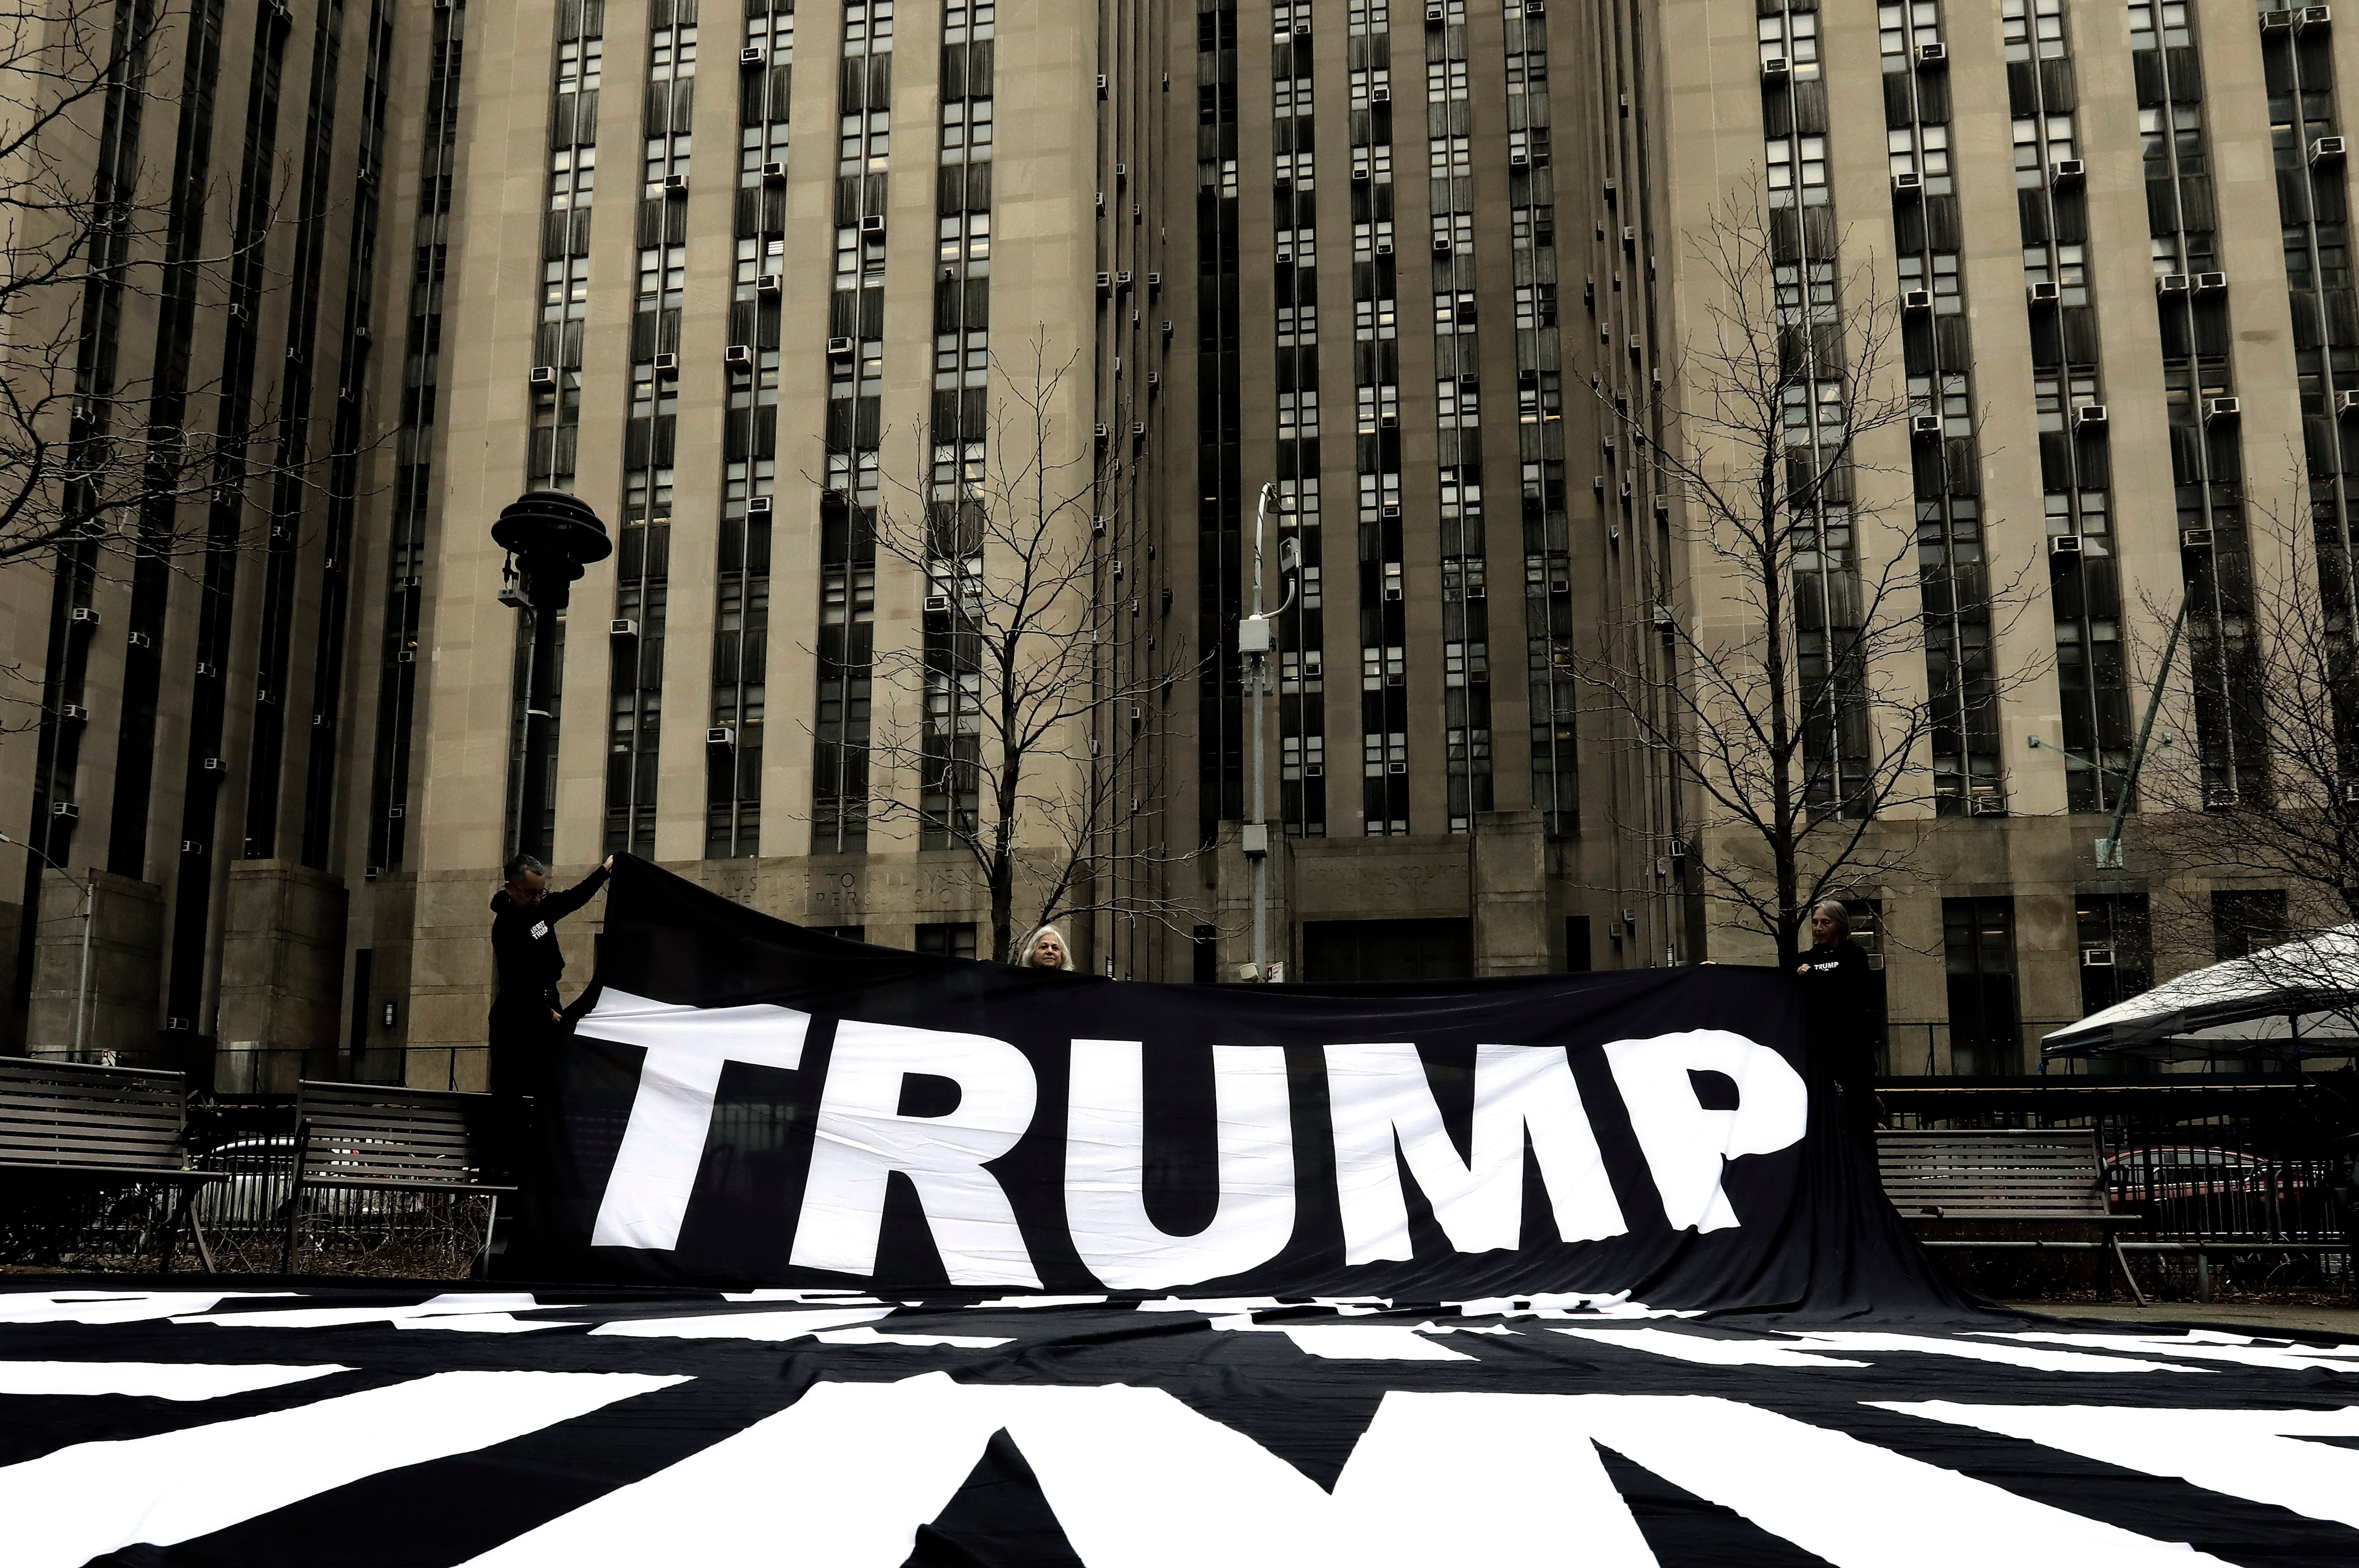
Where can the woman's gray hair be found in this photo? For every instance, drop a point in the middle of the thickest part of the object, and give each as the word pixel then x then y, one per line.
pixel 1834 909
pixel 1032 944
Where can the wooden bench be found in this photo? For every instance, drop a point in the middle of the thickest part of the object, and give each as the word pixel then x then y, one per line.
pixel 2052 1177
pixel 383 1138
pixel 104 1125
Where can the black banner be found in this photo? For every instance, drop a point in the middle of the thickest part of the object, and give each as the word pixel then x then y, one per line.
pixel 745 1102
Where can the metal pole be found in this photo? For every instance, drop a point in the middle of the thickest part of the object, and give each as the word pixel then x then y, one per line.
pixel 2109 848
pixel 1256 676
pixel 540 681
pixel 81 986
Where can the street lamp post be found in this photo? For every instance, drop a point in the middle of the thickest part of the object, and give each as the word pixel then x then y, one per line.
pixel 1256 638
pixel 551 536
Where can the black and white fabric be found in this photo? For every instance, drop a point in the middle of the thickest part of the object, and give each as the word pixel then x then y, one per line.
pixel 620 1428
pixel 750 1104
pixel 877 1260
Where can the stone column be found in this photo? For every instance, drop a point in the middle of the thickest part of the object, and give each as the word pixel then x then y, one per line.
pixel 282 985
pixel 1510 894
pixel 127 954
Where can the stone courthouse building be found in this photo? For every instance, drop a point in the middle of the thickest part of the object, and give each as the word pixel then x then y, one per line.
pixel 732 270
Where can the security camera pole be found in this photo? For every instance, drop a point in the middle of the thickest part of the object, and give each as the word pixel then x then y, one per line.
pixel 550 537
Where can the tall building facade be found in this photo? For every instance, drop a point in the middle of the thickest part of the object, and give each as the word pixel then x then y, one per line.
pixel 1400 288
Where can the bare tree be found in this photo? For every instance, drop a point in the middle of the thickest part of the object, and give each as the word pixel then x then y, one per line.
pixel 1811 679
pixel 2254 777
pixel 108 460
pixel 1033 717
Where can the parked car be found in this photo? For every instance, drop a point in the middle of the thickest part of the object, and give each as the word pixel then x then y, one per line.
pixel 261 1170
pixel 2174 1172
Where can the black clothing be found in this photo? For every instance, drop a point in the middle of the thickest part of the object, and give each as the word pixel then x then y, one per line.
pixel 1839 1007
pixel 524 938
pixel 523 1037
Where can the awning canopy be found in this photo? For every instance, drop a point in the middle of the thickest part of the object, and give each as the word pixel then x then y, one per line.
pixel 2298 1000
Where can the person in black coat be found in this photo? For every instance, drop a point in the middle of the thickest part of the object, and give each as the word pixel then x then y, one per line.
pixel 1838 999
pixel 527 1012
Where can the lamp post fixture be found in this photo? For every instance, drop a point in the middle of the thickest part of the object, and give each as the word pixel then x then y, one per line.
pixel 550 537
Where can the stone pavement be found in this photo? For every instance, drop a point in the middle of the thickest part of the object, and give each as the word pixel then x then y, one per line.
pixel 2244 1317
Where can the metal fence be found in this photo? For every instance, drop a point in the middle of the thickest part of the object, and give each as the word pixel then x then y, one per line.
pixel 2245 1173
pixel 72 1225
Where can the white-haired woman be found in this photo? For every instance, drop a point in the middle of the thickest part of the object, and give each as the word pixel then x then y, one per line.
pixel 1045 949
pixel 1839 994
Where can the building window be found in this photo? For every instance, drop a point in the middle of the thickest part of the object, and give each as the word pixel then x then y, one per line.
pixel 948 939
pixel 2116 949
pixel 1985 1017
pixel 2245 922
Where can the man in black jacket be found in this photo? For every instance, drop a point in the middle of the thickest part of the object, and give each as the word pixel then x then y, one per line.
pixel 527 1010
pixel 1838 997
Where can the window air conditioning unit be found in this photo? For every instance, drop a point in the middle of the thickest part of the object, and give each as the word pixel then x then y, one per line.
pixel 213 765
pixel 2351 795
pixel 1390 509
pixel 1663 617
pixel 667 364
pixel 1389 421
pixel 1384 247
pixel 1932 54
pixel 1776 66
pixel 774 174
pixel 83 616
pixel 141 640
pixel 737 356
pixel 2088 415
pixel 675 185
pixel 1122 280
pixel 721 735
pixel 1433 16
pixel 770 283
pixel 1139 432
pixel 2172 282
pixel 2067 170
pixel 873 223
pixel 937 604
pixel 2346 402
pixel 2274 20
pixel 2222 408
pixel 1103 435
pixel 1988 805
pixel 2326 147
pixel 2314 15
pixel 207 669
pixel 2220 797
pixel 1102 87
pixel 1441 245
pixel 1908 182
pixel 1380 94
pixel 1105 283
pixel 65 809
pixel 620 628
pixel 2064 545
pixel 188 847
pixel 838 347
pixel 759 506
pixel 1519 159
pixel 1121 171
pixel 2195 538
pixel 2205 282
pixel 1916 299
pixel 73 712
pixel 2096 958
pixel 751 57
pixel 1924 425
pixel 405 656
pixel 1301 29
pixel 1534 8
pixel 2045 293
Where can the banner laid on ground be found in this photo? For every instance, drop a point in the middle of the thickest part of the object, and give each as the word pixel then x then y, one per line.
pixel 747 1102
pixel 189 1424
